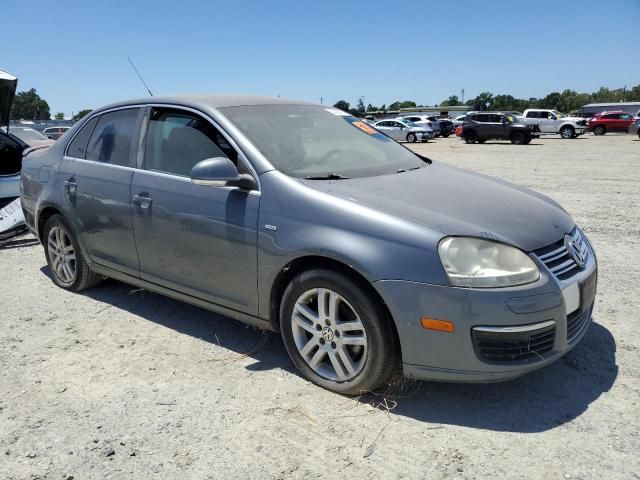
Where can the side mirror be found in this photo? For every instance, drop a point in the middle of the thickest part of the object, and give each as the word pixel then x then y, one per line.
pixel 552 117
pixel 220 172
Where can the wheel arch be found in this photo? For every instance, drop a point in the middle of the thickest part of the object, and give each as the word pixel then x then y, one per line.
pixel 44 214
pixel 308 262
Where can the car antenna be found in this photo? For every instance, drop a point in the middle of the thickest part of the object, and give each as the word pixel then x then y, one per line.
pixel 140 77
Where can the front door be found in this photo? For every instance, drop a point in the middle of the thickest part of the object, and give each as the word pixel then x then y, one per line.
pixel 96 173
pixel 196 239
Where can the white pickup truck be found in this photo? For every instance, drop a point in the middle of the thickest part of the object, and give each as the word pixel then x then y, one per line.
pixel 552 121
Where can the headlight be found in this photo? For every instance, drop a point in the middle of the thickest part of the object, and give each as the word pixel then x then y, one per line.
pixel 473 262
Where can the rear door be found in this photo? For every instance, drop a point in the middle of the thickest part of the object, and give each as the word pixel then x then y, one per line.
pixel 624 121
pixel 96 174
pixel 197 239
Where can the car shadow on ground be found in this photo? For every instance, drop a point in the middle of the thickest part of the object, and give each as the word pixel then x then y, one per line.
pixel 536 402
pixel 18 242
pixel 506 142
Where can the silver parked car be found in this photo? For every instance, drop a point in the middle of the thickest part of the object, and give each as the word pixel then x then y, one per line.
pixel 302 219
pixel 425 121
pixel 402 130
pixel 14 142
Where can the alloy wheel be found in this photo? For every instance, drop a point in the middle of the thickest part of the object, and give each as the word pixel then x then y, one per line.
pixel 329 334
pixel 62 255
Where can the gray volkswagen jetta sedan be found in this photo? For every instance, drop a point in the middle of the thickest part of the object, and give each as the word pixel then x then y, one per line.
pixel 368 258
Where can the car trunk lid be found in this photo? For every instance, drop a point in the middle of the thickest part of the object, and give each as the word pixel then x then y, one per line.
pixel 8 84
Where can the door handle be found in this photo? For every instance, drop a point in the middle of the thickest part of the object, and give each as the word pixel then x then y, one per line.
pixel 142 201
pixel 71 186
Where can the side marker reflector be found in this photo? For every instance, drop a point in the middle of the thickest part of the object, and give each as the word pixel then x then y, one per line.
pixel 439 325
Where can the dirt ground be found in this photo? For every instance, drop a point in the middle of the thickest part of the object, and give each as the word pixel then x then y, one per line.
pixel 122 383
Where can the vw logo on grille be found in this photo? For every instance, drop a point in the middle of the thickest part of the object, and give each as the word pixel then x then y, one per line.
pixel 574 248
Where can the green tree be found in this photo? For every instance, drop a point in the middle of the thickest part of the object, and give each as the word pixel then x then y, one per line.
pixel 59 116
pixel 451 101
pixel 397 105
pixel 29 106
pixel 360 105
pixel 81 114
pixel 342 105
pixel 383 107
pixel 482 102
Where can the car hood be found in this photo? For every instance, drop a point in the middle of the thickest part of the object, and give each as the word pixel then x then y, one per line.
pixel 571 119
pixel 460 202
pixel 8 84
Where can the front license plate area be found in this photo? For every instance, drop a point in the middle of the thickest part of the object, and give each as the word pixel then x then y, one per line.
pixel 571 295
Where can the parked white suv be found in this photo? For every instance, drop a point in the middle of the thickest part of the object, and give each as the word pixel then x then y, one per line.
pixel 552 121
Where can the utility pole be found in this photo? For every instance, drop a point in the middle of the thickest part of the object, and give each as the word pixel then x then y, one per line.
pixel 320 100
pixel 462 100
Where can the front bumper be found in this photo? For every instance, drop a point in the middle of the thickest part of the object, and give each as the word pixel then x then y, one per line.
pixel 456 356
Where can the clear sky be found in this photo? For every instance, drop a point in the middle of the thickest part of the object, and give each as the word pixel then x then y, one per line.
pixel 74 52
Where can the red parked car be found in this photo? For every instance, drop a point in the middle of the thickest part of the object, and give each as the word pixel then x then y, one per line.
pixel 605 122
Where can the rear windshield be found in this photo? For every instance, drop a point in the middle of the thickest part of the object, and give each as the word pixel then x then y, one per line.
pixel 312 141
pixel 27 134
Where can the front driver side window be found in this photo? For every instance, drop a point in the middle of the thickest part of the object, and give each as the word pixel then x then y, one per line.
pixel 177 140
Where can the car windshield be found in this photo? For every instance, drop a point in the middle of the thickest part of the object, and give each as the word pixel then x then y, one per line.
pixel 27 134
pixel 558 114
pixel 312 141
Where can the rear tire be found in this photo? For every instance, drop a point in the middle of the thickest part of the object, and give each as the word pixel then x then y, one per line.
pixel 567 132
pixel 518 138
pixel 482 140
pixel 336 333
pixel 69 269
pixel 446 135
pixel 470 137
pixel 411 138
pixel 599 130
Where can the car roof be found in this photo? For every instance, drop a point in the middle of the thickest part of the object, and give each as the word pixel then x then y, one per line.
pixel 213 101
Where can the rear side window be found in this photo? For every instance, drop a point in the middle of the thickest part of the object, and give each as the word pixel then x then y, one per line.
pixel 533 114
pixel 78 147
pixel 112 138
pixel 544 114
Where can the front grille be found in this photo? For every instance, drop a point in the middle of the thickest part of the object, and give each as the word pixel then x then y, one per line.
pixel 577 323
pixel 511 346
pixel 559 260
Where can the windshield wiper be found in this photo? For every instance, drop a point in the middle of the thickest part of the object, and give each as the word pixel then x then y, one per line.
pixel 328 176
pixel 402 170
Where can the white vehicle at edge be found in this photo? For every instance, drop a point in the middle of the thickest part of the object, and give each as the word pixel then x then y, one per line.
pixel 554 122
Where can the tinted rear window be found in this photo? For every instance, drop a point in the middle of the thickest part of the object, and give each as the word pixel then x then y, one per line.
pixel 78 147
pixel 113 136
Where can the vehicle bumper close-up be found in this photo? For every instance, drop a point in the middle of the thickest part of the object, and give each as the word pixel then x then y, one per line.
pixel 498 333
pixel 425 136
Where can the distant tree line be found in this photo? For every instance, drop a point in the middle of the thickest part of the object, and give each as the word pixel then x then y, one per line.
pixel 566 101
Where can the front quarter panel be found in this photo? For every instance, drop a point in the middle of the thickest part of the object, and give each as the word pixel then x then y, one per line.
pixel 297 220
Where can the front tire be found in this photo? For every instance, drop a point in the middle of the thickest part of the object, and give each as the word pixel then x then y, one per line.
pixel 518 138
pixel 567 132
pixel 69 269
pixel 411 138
pixel 336 333
pixel 599 130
